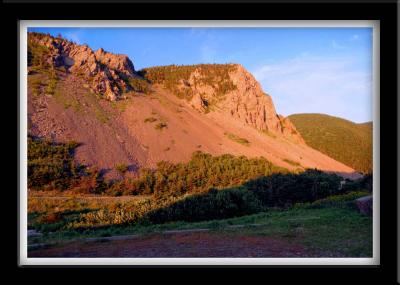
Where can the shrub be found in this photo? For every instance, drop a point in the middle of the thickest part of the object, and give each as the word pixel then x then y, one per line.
pixel 284 190
pixel 213 205
pixel 52 83
pixel 237 139
pixel 51 165
pixel 150 120
pixel 139 85
pixel 176 78
pixel 343 200
pixel 122 168
pixel 160 126
pixel 291 162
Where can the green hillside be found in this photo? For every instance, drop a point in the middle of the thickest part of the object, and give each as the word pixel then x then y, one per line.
pixel 343 140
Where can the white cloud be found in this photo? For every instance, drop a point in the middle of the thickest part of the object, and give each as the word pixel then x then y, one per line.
pixel 335 45
pixel 73 36
pixel 354 37
pixel 308 84
pixel 208 53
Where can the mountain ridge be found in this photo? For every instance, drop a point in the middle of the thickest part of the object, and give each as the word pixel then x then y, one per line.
pixel 134 117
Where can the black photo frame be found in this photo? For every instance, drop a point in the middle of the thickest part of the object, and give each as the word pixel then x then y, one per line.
pixel 385 12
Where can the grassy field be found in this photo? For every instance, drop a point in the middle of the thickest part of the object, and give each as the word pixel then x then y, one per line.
pixel 332 225
pixel 342 140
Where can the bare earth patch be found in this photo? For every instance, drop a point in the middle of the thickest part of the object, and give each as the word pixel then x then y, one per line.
pixel 195 244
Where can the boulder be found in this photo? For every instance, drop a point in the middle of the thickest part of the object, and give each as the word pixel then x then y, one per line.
pixel 364 205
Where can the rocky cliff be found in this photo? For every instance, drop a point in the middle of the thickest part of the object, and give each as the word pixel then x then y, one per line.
pixel 226 88
pixel 106 72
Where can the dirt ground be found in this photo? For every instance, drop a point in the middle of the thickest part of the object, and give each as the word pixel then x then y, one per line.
pixel 198 244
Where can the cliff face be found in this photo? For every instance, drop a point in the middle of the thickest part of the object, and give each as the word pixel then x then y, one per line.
pixel 226 88
pixel 207 107
pixel 246 102
pixel 106 72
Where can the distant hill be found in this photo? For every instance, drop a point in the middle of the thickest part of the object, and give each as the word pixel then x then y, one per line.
pixel 343 140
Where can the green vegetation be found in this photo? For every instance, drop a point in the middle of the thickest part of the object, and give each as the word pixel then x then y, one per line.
pixel 176 78
pixel 121 168
pixel 36 83
pixel 237 139
pixel 52 83
pixel 50 165
pixel 139 85
pixel 160 126
pixel 334 230
pixel 150 120
pixel 101 115
pixel 206 188
pixel 291 162
pixel 37 55
pixel 342 140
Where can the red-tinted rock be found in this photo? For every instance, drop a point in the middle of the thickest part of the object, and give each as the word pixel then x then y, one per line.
pixel 364 205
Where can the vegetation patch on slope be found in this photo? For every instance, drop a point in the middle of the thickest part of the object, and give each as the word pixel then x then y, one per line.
pixel 173 77
pixel 345 141
pixel 237 139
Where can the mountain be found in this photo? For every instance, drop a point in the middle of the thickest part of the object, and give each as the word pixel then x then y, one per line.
pixel 123 116
pixel 343 140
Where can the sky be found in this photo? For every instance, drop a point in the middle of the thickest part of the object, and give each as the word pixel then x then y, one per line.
pixel 305 70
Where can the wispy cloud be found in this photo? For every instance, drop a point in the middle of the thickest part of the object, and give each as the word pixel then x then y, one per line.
pixel 354 37
pixel 208 52
pixel 208 46
pixel 74 36
pixel 309 84
pixel 336 45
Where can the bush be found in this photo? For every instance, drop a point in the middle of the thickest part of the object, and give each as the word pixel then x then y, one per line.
pixel 160 126
pixel 237 139
pixel 344 200
pixel 213 205
pixel 122 168
pixel 51 165
pixel 139 85
pixel 150 120
pixel 364 183
pixel 284 190
pixel 175 78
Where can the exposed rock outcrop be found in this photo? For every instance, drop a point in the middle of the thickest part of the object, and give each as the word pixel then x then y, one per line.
pixel 106 72
pixel 244 99
pixel 364 205
pixel 229 89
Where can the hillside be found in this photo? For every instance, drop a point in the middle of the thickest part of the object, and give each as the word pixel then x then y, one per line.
pixel 343 140
pixel 139 118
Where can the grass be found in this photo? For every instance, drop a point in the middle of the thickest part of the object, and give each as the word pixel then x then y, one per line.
pixel 334 230
pixel 120 105
pixel 237 139
pixel 343 140
pixel 69 101
pixel 36 82
pixel 101 115
pixel 268 133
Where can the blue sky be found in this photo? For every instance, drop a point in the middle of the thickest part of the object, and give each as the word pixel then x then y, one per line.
pixel 305 70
